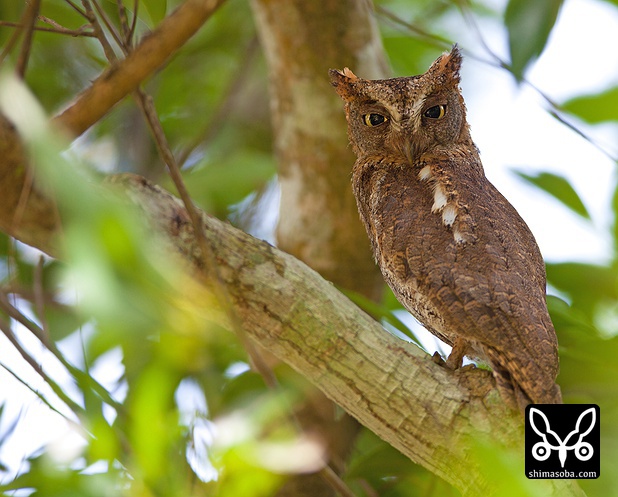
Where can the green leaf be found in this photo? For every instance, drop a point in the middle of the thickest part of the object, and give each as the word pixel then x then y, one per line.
pixel 529 23
pixel 156 9
pixel 613 2
pixel 559 188
pixel 62 321
pixel 596 108
pixel 586 284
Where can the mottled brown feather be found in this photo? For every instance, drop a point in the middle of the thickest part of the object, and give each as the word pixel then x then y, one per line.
pixel 455 252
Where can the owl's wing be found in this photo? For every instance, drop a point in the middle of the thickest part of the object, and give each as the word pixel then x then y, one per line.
pixel 492 292
pixel 488 290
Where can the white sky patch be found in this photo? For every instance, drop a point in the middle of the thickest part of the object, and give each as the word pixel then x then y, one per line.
pixel 512 129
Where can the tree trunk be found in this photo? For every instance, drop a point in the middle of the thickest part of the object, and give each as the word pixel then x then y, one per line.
pixel 318 219
pixel 319 222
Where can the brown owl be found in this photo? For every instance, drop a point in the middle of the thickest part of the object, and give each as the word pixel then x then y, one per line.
pixel 455 252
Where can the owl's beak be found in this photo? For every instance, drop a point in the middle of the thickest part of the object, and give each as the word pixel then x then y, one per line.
pixel 409 151
pixel 401 138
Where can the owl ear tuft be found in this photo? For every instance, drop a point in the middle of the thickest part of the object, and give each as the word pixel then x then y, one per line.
pixel 347 72
pixel 449 64
pixel 343 81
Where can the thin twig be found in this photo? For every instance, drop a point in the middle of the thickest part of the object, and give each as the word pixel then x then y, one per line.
pixel 49 344
pixel 329 475
pixel 59 29
pixel 77 9
pixel 24 54
pixel 13 312
pixel 473 25
pixel 39 299
pixel 14 37
pixel 124 26
pixel 41 397
pixel 108 23
pixel 8 332
pixel 431 39
pixel 98 31
pixel 134 21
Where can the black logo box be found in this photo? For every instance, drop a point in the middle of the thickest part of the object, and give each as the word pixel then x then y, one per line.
pixel 562 441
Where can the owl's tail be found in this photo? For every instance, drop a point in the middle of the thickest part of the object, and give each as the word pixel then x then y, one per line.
pixel 517 386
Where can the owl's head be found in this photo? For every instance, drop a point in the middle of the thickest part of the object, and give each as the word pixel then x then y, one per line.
pixel 405 116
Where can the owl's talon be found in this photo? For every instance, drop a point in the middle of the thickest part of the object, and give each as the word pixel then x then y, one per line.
pixel 455 358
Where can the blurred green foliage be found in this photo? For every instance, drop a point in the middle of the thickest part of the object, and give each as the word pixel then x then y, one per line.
pixel 185 415
pixel 559 188
pixel 529 23
pixel 595 108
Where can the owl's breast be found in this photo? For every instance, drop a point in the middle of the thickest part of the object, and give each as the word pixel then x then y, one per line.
pixel 475 289
pixel 409 241
pixel 396 209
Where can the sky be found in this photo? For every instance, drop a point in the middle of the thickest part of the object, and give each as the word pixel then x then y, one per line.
pixel 511 128
pixel 513 131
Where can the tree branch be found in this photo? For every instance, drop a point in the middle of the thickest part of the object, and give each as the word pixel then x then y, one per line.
pixel 388 385
pixel 122 78
pixel 25 212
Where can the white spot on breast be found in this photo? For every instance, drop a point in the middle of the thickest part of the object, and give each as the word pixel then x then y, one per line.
pixel 425 173
pixel 439 199
pixel 442 205
pixel 459 238
pixel 449 214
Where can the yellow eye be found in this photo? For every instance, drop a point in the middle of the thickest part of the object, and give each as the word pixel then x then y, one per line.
pixel 374 119
pixel 435 112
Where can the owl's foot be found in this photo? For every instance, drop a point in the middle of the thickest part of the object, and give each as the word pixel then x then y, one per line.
pixel 455 358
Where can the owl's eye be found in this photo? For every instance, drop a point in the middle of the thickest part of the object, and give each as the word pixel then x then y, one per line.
pixel 435 112
pixel 374 119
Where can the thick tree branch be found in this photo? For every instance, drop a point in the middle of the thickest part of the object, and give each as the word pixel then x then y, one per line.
pixel 432 415
pixel 25 212
pixel 122 78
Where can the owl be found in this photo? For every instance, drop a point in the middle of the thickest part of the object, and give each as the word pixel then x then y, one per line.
pixel 454 251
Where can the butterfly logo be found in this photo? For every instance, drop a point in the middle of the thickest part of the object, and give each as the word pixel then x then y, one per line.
pixel 573 441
